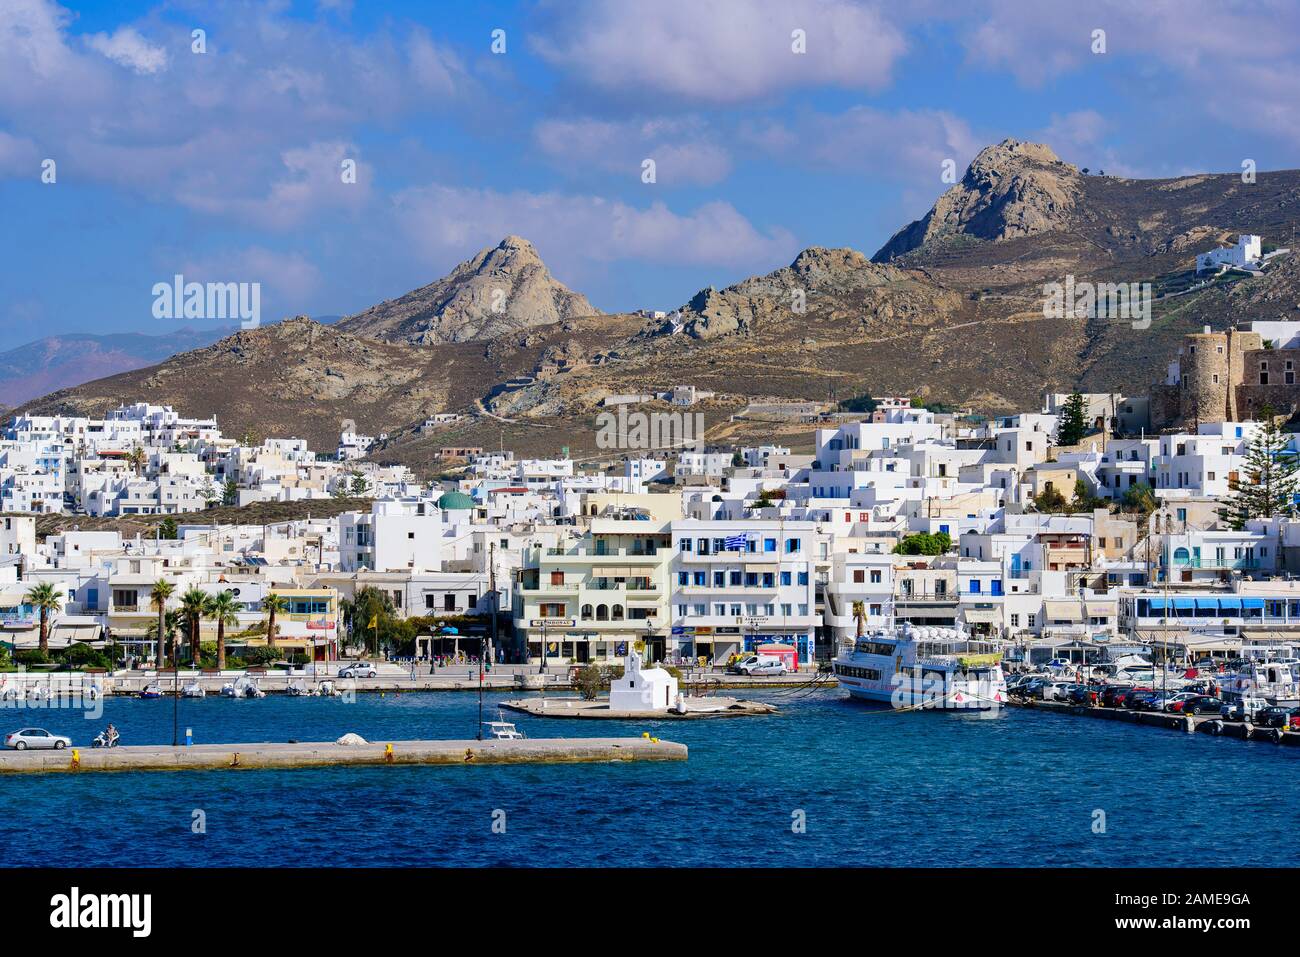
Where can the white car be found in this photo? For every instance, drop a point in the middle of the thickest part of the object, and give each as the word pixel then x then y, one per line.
pixel 36 738
pixel 358 669
pixel 760 665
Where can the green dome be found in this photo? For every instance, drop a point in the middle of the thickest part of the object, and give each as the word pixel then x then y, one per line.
pixel 451 500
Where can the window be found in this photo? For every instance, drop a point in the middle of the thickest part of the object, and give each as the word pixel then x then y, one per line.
pixel 683 578
pixel 1015 620
pixel 793 545
pixel 769 544
pixel 859 575
pixel 875 576
pixel 785 578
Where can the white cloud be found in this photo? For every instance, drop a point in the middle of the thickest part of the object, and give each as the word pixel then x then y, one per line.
pixel 446 224
pixel 724 51
pixel 126 47
pixel 904 146
pixel 683 152
pixel 19 156
pixel 288 279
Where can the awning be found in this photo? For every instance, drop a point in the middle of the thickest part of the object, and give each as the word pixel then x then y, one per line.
pixel 1184 604
pixel 1252 603
pixel 762 566
pixel 1211 603
pixel 618 571
pixel 981 616
pixel 1063 611
pixel 1099 609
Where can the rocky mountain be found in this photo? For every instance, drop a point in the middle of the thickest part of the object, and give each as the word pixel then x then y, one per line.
pixel 1011 189
pixel 504 289
pixel 951 309
pixel 843 280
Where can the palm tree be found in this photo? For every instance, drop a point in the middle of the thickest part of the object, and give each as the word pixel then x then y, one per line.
pixel 223 609
pixel 860 617
pixel 194 606
pixel 137 458
pixel 273 604
pixel 46 598
pixel 172 622
pixel 161 593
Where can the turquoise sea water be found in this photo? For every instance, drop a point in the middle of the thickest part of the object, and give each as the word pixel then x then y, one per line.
pixel 874 787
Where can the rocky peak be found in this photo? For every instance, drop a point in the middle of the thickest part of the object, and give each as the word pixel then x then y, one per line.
pixel 1010 189
pixel 501 290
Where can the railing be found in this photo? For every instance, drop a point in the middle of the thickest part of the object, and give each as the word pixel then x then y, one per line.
pixel 1211 563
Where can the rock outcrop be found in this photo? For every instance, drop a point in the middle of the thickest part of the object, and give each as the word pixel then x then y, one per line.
pixel 1011 189
pixel 504 289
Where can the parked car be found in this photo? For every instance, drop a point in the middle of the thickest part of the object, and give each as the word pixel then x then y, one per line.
pixel 1274 717
pixel 1175 701
pixel 759 665
pixel 1111 692
pixel 36 738
pixel 1143 699
pixel 1203 704
pixel 1084 694
pixel 1245 708
pixel 358 669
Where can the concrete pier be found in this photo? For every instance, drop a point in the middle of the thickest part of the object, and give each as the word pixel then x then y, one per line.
pixel 328 754
pixel 1190 723
pixel 711 707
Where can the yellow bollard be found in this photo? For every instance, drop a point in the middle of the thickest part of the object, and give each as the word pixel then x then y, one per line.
pixel 76 758
pixel 388 753
pixel 645 734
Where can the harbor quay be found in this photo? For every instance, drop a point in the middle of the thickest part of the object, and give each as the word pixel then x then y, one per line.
pixel 281 755
pixel 1191 724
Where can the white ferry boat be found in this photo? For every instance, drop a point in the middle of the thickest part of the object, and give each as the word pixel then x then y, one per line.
pixel 923 667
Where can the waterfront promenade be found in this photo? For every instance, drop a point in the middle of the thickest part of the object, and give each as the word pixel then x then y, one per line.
pixel 324 754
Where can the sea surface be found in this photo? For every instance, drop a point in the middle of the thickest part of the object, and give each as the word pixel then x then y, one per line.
pixel 825 782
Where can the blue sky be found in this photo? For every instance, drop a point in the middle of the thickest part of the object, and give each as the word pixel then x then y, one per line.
pixel 225 165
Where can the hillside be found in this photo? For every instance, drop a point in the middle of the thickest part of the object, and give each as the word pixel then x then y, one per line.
pixel 950 309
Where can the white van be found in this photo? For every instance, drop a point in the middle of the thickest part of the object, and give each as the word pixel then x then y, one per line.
pixel 759 665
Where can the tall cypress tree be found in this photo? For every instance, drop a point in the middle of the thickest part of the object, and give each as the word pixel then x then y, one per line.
pixel 1268 483
pixel 1073 421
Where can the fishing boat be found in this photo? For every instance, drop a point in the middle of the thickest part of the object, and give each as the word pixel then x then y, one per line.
pixel 912 668
pixel 153 690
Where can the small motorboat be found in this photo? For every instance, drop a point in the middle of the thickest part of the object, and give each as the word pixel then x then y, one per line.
pixel 151 691
pixel 326 689
pixel 242 688
pixel 297 689
pixel 502 730
pixel 194 689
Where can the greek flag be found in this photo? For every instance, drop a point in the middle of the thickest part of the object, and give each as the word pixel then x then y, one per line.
pixel 736 543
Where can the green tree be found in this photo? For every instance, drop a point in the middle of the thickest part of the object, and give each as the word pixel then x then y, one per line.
pixel 223 608
pixel 194 608
pixel 1270 483
pixel 137 458
pixel 924 543
pixel 168 529
pixel 359 486
pixel 1139 498
pixel 1074 421
pixel 159 595
pixel 230 493
pixel 1050 500
pixel 1084 500
pixel 273 605
pixel 45 598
